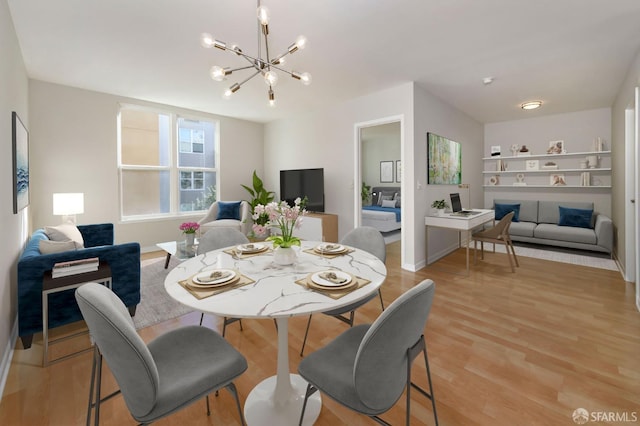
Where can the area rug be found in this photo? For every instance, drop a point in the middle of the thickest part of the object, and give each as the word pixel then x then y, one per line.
pixel 574 257
pixel 155 304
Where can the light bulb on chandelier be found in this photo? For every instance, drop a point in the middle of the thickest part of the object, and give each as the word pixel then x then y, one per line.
pixel 265 66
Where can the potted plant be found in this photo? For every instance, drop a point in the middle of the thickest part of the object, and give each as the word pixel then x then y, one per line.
pixel 259 196
pixel 440 205
pixel 365 193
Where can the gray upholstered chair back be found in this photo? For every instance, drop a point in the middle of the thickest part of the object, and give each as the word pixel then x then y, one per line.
pixel 126 354
pixel 368 239
pixel 218 238
pixel 380 373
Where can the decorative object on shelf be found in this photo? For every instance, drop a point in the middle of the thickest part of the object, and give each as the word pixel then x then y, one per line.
pixel 598 144
pixel 495 150
pixel 514 149
pixel 532 164
pixel 444 161
pixel 285 219
pixel 556 147
pixel 501 166
pixel 585 179
pixel 523 151
pixel 557 180
pixel 494 180
pixel 592 161
pixel 440 205
pixel 519 180
pixel 265 66
pixel 584 164
pixel 550 165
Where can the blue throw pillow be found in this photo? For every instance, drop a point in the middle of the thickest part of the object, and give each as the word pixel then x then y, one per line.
pixel 504 209
pixel 228 210
pixel 579 218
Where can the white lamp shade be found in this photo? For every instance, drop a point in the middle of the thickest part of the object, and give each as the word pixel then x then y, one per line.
pixel 68 204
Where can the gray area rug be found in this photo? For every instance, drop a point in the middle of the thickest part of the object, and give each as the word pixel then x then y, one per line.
pixel 155 304
pixel 558 254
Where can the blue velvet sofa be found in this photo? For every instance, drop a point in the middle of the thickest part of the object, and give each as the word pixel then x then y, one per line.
pixel 124 260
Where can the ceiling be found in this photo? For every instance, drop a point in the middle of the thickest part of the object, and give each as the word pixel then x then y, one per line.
pixel 571 54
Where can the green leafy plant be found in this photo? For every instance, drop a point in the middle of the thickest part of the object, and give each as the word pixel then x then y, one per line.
pixel 365 192
pixel 439 204
pixel 259 196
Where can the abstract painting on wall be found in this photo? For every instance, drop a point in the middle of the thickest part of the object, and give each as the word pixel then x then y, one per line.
pixel 444 161
pixel 20 142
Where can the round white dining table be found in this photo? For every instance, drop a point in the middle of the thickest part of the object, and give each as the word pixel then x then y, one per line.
pixel 274 294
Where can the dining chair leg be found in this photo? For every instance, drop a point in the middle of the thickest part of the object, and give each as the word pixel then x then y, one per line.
pixel 310 391
pixel 513 268
pixel 412 353
pixel 513 250
pixel 381 301
pixel 232 389
pixel 304 342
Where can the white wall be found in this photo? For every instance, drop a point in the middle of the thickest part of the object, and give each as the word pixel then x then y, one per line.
pixel 13 227
pixel 380 143
pixel 624 99
pixel 436 116
pixel 74 149
pixel 578 131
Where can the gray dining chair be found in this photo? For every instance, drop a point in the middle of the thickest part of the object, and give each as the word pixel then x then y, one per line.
pixel 217 238
pixel 370 240
pixel 159 378
pixel 367 368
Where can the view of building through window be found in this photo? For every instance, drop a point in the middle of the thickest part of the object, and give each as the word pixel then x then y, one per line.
pixel 167 163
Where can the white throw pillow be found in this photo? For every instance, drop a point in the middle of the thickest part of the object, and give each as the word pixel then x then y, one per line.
pixel 65 232
pixel 49 247
pixel 388 203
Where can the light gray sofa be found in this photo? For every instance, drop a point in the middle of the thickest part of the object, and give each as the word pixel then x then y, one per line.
pixel 538 223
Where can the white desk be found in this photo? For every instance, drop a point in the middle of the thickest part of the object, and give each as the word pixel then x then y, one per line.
pixel 463 224
pixel 276 400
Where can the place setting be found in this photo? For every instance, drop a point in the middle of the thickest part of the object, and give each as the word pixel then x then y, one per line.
pixel 212 282
pixel 333 283
pixel 329 250
pixel 248 250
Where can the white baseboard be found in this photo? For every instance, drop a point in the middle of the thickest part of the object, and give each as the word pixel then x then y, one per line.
pixel 7 356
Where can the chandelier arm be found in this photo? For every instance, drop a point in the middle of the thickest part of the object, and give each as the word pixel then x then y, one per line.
pixel 281 69
pixel 241 68
pixel 249 78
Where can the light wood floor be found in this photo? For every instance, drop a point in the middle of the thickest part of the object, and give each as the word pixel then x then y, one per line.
pixel 524 348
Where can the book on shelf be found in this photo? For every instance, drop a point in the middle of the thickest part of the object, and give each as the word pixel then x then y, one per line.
pixel 57 273
pixel 79 262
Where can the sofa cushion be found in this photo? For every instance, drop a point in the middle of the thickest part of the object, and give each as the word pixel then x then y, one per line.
pixel 522 229
pixel 579 218
pixel 65 232
pixel 229 210
pixel 549 212
pixel 572 234
pixel 33 246
pixel 504 209
pixel 48 246
pixel 528 209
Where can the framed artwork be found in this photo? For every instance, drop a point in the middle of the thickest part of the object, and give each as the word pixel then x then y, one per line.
pixel 386 171
pixel 398 171
pixel 557 180
pixel 444 161
pixel 20 142
pixel 532 164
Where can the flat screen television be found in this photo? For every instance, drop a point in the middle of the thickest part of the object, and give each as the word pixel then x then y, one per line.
pixel 303 183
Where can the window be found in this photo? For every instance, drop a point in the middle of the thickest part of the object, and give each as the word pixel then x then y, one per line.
pixel 167 163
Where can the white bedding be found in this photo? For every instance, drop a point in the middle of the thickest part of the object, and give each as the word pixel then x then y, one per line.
pixel 382 221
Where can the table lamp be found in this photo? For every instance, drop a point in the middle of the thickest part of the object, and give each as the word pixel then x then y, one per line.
pixel 68 205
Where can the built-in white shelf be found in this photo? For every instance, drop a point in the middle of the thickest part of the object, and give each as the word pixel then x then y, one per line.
pixel 548 186
pixel 569 154
pixel 496 172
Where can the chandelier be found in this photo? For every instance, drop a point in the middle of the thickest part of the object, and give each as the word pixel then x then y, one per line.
pixel 265 65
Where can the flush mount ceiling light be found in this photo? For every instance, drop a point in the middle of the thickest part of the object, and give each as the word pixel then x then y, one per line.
pixel 265 66
pixel 531 105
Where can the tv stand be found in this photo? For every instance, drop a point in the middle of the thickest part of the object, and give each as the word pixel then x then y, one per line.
pixel 319 227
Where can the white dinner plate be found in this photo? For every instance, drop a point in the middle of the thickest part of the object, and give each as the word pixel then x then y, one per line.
pixel 342 279
pixel 251 248
pixel 215 277
pixel 330 248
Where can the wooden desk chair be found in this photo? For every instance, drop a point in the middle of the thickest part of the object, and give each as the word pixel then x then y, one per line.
pixel 499 234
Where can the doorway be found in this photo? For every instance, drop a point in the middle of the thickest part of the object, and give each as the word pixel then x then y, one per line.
pixel 378 157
